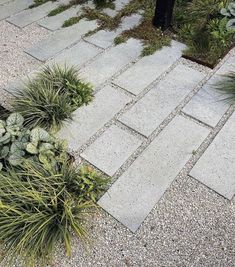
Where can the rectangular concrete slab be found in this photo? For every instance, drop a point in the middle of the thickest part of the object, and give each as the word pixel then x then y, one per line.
pixel 131 198
pixel 13 7
pixel 119 4
pixel 77 55
pixel 150 111
pixel 208 105
pixel 29 16
pixel 104 39
pixel 61 39
pixel 149 68
pixel 55 22
pixel 4 1
pixel 111 62
pixel 111 149
pixel 215 168
pixel 89 119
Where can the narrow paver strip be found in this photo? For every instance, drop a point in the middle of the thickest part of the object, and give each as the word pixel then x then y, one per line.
pixel 14 7
pixel 104 38
pixel 77 55
pixel 119 4
pixel 216 166
pixel 111 150
pixel 111 62
pixel 149 112
pixel 61 39
pixel 4 1
pixel 149 68
pixel 55 22
pixel 29 16
pixel 89 119
pixel 208 105
pixel 134 194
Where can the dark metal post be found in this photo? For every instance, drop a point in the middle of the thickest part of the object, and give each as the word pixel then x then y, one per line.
pixel 163 13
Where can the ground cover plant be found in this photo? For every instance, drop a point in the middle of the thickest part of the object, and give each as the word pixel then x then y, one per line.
pixel 152 38
pixel 18 144
pixel 99 4
pixel 44 197
pixel 203 26
pixel 43 208
pixel 49 99
pixel 227 87
pixel 206 26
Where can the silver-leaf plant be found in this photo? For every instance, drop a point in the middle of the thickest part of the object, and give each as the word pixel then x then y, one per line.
pixel 18 144
pixel 229 13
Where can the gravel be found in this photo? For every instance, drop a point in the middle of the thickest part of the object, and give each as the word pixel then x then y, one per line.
pixel 14 62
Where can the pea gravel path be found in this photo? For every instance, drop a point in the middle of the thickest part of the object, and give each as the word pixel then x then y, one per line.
pixel 157 127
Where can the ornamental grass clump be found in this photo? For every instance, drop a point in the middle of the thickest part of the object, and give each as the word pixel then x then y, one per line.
pixel 41 209
pixel 227 87
pixel 50 98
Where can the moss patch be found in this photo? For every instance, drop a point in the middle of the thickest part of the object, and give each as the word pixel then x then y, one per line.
pixel 71 21
pixel 100 4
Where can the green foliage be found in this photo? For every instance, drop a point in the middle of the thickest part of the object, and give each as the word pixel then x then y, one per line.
pixel 51 97
pixel 18 144
pixel 227 87
pixel 152 38
pixel 38 212
pixel 71 21
pixel 205 30
pixel 57 10
pixel 229 12
pixel 91 184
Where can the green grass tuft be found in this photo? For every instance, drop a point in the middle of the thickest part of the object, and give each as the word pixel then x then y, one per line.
pixel 50 98
pixel 227 87
pixel 71 21
pixel 41 209
pixel 58 10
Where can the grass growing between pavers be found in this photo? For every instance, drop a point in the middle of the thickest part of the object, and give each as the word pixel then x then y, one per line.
pixel 99 4
pixel 201 25
pixel 152 38
pixel 40 2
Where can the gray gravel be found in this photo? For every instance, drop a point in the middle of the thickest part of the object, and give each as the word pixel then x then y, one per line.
pixel 14 62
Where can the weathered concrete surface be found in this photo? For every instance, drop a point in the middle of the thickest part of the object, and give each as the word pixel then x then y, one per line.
pixel 111 150
pixel 134 194
pixel 149 68
pixel 111 62
pixel 13 7
pixel 89 119
pixel 216 166
pixel 61 39
pixel 150 111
